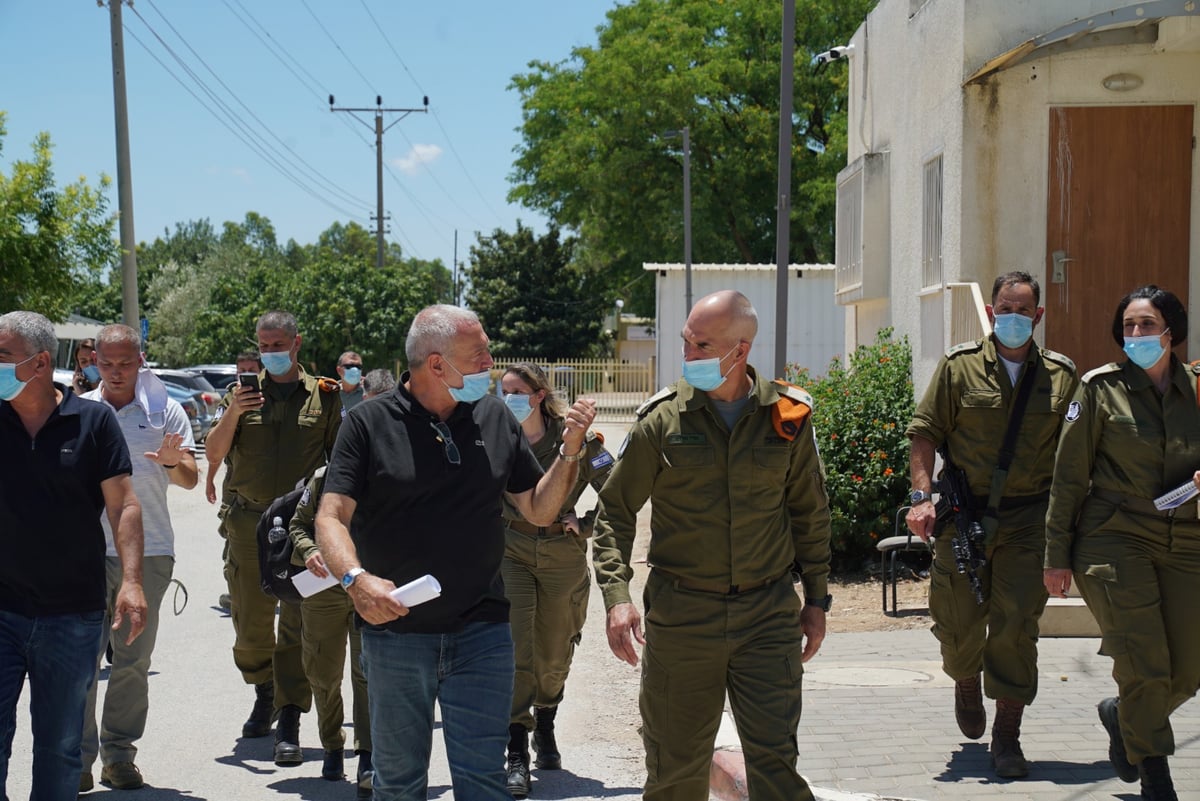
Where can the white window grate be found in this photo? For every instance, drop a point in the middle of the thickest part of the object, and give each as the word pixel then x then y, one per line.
pixel 931 225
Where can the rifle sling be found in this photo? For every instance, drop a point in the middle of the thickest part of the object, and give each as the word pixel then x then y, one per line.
pixel 991 515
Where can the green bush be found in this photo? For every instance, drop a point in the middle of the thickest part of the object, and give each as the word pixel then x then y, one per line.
pixel 860 413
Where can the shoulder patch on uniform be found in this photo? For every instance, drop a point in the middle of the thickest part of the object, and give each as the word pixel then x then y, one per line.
pixel 1059 358
pixel 1111 367
pixel 663 394
pixel 594 435
pixel 790 411
pixel 1073 411
pixel 602 459
pixel 965 347
pixel 328 384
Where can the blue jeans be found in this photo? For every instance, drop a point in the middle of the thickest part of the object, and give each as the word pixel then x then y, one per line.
pixel 58 653
pixel 470 675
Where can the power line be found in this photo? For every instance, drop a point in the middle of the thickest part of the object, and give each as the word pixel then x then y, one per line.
pixel 338 46
pixel 345 195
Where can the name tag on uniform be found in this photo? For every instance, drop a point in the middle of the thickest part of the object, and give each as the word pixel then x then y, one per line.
pixel 687 439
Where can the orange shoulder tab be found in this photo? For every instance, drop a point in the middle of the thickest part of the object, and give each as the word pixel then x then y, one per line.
pixel 328 384
pixel 791 410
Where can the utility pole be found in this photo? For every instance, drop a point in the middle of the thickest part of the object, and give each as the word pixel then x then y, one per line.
pixel 129 287
pixel 379 129
pixel 783 210
pixel 454 272
pixel 686 134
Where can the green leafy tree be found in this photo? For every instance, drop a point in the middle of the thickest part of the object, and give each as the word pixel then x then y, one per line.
pixel 860 413
pixel 532 299
pixel 592 156
pixel 52 239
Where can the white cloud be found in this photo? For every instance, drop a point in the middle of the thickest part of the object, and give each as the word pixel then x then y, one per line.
pixel 411 162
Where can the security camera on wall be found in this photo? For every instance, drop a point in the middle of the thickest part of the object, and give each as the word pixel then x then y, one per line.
pixel 834 54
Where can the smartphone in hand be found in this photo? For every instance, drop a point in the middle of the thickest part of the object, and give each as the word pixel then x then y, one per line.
pixel 249 380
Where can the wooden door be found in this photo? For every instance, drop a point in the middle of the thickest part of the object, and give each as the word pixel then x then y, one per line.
pixel 1118 216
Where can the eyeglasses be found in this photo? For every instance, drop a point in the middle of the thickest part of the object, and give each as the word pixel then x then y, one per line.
pixel 443 436
pixel 351 364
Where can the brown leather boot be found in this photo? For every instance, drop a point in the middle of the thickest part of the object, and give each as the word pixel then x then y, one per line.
pixel 968 707
pixel 1007 759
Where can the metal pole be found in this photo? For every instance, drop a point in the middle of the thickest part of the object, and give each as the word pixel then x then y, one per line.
pixel 379 189
pixel 454 272
pixel 129 287
pixel 787 61
pixel 687 216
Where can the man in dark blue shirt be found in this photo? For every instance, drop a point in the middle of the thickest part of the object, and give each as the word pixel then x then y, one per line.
pixel 65 461
pixel 418 476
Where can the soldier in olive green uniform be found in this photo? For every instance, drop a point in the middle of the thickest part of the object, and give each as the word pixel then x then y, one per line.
pixel 737 491
pixel 1131 436
pixel 273 440
pixel 966 408
pixel 546 578
pixel 328 619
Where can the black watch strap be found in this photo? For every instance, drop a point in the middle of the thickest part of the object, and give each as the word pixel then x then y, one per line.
pixel 825 603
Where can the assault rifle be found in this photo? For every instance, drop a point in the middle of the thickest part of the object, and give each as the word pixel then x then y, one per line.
pixel 969 536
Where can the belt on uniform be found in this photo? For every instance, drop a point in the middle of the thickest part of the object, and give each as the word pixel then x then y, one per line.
pixel 716 588
pixel 521 527
pixel 240 502
pixel 1012 501
pixel 1143 506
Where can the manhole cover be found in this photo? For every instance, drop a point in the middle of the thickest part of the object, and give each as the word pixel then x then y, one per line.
pixel 850 676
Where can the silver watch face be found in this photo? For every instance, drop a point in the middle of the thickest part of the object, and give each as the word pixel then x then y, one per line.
pixel 918 496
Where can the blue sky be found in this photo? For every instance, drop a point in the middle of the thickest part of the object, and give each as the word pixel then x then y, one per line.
pixel 273 63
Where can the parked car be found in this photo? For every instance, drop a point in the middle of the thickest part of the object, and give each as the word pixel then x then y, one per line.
pixel 193 381
pixel 194 408
pixel 219 375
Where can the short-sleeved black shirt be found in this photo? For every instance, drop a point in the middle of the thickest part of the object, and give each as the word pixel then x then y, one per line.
pixel 417 513
pixel 50 507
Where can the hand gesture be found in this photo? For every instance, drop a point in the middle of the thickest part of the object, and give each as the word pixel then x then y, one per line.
pixel 169 453
pixel 922 519
pixel 624 627
pixel 812 623
pixel 245 399
pixel 576 424
pixel 373 601
pixel 131 604
pixel 316 565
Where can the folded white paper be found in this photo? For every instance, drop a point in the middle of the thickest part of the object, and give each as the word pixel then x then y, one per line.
pixel 1177 497
pixel 309 583
pixel 418 591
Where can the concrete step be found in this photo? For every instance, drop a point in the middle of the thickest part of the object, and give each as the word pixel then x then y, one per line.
pixel 1068 617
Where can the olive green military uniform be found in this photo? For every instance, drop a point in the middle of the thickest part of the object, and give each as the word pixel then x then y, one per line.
pixel 328 619
pixel 731 511
pixel 967 406
pixel 546 579
pixel 273 449
pixel 1137 568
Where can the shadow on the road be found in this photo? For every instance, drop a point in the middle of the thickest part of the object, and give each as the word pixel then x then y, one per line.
pixel 565 784
pixel 247 750
pixel 313 787
pixel 974 762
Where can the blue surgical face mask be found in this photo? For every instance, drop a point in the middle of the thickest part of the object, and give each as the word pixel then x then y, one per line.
pixel 1013 330
pixel 10 385
pixel 352 375
pixel 705 374
pixel 277 363
pixel 1145 351
pixel 474 387
pixel 92 374
pixel 520 405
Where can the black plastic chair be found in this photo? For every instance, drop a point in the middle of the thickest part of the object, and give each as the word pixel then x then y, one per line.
pixel 890 549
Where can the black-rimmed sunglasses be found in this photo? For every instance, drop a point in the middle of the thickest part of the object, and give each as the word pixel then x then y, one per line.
pixel 443 436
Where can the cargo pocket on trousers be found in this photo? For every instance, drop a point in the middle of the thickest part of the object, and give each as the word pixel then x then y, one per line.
pixel 656 707
pixel 943 604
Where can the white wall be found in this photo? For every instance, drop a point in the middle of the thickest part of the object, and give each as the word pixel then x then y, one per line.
pixel 815 323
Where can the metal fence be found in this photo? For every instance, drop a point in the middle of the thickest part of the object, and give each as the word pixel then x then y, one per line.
pixel 619 387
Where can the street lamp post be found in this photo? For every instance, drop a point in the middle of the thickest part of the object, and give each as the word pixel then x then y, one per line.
pixel 685 134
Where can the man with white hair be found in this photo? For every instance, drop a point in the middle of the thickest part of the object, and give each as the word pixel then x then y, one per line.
pixel 64 462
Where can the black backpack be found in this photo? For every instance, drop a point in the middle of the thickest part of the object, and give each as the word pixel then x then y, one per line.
pixel 275 568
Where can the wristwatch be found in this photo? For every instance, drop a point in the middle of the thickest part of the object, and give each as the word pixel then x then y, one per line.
pixel 918 496
pixel 351 575
pixel 825 603
pixel 577 457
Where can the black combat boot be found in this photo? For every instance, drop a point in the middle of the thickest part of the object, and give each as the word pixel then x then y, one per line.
pixel 1116 743
pixel 287 737
pixel 516 773
pixel 365 778
pixel 1007 758
pixel 1156 780
pixel 333 768
pixel 548 757
pixel 259 722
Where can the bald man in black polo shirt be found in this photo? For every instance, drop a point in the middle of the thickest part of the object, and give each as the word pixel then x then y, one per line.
pixel 421 473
